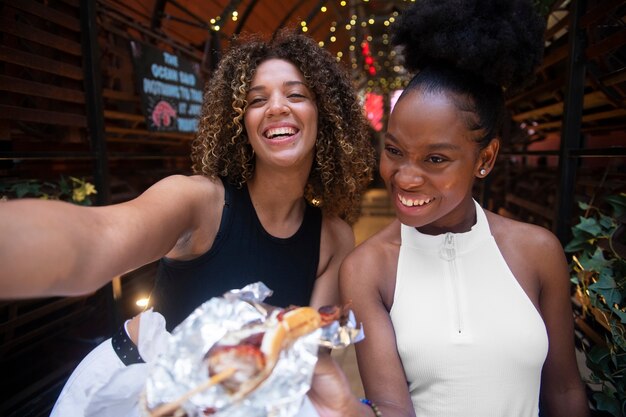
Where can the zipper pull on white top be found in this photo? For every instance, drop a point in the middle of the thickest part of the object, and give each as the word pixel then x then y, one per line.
pixel 447 251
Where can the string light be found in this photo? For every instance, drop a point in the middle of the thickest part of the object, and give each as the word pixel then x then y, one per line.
pixel 382 74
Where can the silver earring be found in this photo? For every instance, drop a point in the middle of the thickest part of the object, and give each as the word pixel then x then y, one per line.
pixel 483 172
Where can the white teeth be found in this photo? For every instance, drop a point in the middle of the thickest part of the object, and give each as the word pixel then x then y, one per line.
pixel 278 131
pixel 412 203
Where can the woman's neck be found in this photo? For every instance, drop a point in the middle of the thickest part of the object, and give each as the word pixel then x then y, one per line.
pixel 278 201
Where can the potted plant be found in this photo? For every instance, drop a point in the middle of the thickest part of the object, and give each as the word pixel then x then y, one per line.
pixel 75 190
pixel 598 271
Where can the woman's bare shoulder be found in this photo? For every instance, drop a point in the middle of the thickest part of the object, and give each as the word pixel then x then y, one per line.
pixel 195 191
pixel 375 253
pixel 368 272
pixel 530 239
pixel 192 183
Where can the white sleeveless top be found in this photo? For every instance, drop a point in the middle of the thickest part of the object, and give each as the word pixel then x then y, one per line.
pixel 471 341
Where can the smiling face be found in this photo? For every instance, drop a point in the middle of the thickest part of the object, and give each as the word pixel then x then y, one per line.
pixel 281 117
pixel 429 163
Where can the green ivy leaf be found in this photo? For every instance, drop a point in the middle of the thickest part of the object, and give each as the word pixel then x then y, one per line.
pixel 64 186
pixel 578 243
pixel 609 403
pixel 621 314
pixel 597 354
pixel 589 225
pixel 618 202
pixel 607 287
pixel 607 223
pixel 596 262
pixel 26 188
pixel 618 340
pixel 605 282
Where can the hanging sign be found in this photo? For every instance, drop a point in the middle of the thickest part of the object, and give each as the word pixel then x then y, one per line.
pixel 170 88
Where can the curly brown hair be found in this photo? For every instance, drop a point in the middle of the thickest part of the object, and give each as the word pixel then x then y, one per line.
pixel 344 157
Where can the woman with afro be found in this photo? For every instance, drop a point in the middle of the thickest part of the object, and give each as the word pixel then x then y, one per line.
pixel 466 313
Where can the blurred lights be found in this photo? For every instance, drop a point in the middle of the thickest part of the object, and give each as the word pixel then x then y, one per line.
pixel 143 302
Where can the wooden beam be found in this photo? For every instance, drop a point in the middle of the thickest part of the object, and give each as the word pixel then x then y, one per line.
pixel 606 45
pixel 535 208
pixel 143 132
pixel 615 77
pixel 52 306
pixel 619 114
pixel 554 56
pixel 39 36
pixel 591 100
pixel 42 116
pixel 37 62
pixel 539 89
pixel 47 13
pixel 120 95
pixel 118 115
pixel 143 141
pixel 32 88
pixel 599 12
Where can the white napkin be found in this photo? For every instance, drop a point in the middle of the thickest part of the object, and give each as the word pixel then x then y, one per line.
pixel 102 386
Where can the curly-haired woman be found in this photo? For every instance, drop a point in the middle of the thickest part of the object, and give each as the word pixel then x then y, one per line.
pixel 281 159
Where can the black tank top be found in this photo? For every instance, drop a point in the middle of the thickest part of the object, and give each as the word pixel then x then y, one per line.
pixel 242 253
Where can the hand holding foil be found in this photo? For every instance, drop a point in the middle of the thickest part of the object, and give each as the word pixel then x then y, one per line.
pixel 226 321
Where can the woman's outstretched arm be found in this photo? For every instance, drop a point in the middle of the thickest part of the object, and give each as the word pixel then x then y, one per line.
pixel 51 248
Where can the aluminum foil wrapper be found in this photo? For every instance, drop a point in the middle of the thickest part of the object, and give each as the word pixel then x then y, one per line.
pixel 182 366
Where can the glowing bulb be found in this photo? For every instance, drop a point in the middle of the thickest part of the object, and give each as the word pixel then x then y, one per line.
pixel 142 302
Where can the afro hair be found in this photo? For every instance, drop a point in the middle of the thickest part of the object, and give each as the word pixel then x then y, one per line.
pixel 499 41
